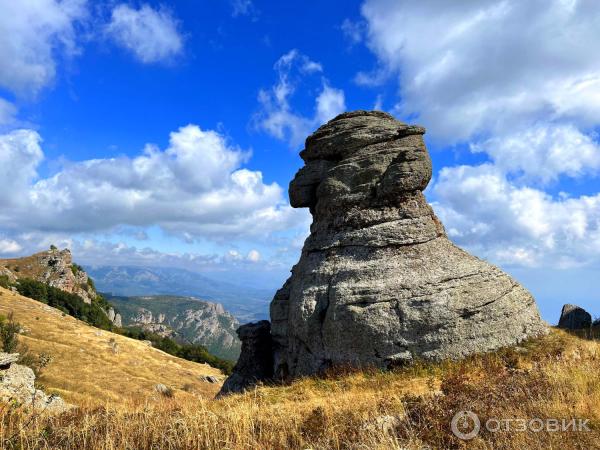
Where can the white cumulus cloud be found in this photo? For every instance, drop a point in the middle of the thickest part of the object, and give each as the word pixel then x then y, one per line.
pixel 485 212
pixel 33 33
pixel 9 246
pixel 475 66
pixel 277 116
pixel 151 35
pixel 544 152
pixel 196 188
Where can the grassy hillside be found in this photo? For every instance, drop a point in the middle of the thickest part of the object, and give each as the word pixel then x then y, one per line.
pixel 557 376
pixel 91 366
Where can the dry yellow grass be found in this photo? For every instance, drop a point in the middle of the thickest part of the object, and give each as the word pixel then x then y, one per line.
pixel 553 377
pixel 25 267
pixel 91 366
pixel 557 376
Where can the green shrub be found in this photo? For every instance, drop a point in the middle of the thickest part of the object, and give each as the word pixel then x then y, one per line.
pixel 76 268
pixel 4 281
pixel 72 304
pixel 9 333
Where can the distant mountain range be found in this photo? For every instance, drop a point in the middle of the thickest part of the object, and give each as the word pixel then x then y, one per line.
pixel 245 303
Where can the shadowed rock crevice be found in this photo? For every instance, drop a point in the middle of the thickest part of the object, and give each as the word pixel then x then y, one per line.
pixel 378 282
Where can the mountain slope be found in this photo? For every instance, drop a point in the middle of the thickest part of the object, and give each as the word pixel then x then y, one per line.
pixel 190 319
pixel 91 366
pixel 245 303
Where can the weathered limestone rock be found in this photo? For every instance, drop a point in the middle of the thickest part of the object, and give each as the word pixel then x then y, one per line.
pixel 256 360
pixel 17 385
pixel 6 359
pixel 114 317
pixel 378 282
pixel 574 317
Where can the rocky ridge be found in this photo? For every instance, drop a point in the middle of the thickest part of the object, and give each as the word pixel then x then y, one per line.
pixel 186 319
pixel 378 282
pixel 56 268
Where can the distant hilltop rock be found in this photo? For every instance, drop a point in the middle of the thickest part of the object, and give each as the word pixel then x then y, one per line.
pixel 185 319
pixel 378 282
pixel 574 317
pixel 56 268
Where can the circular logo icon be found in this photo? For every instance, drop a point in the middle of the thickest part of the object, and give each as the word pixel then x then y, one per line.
pixel 465 425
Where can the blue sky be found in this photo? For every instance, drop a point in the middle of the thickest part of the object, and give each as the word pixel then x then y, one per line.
pixel 166 133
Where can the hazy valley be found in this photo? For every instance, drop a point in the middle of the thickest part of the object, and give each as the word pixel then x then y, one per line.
pixel 245 303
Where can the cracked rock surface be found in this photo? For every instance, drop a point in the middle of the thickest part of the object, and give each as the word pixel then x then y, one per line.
pixel 378 282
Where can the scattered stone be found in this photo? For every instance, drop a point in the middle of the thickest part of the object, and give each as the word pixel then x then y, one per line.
pixel 378 282
pixel 384 424
pixel 574 317
pixel 256 360
pixel 164 390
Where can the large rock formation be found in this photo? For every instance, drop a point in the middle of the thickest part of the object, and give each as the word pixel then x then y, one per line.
pixel 378 282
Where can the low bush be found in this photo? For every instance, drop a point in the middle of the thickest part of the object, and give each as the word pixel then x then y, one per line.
pixel 4 281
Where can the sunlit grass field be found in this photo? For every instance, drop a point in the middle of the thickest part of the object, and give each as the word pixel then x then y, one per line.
pixel 91 366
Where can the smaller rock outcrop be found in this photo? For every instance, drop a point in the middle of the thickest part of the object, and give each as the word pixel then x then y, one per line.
pixel 54 267
pixel 17 384
pixel 574 317
pixel 256 359
pixel 114 317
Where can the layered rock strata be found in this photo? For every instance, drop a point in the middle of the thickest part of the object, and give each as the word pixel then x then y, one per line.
pixel 378 282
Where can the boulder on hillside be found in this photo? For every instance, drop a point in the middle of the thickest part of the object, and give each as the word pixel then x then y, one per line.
pixel 573 317
pixel 378 282
pixel 17 385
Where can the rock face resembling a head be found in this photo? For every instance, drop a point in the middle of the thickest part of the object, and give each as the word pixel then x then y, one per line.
pixel 378 282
